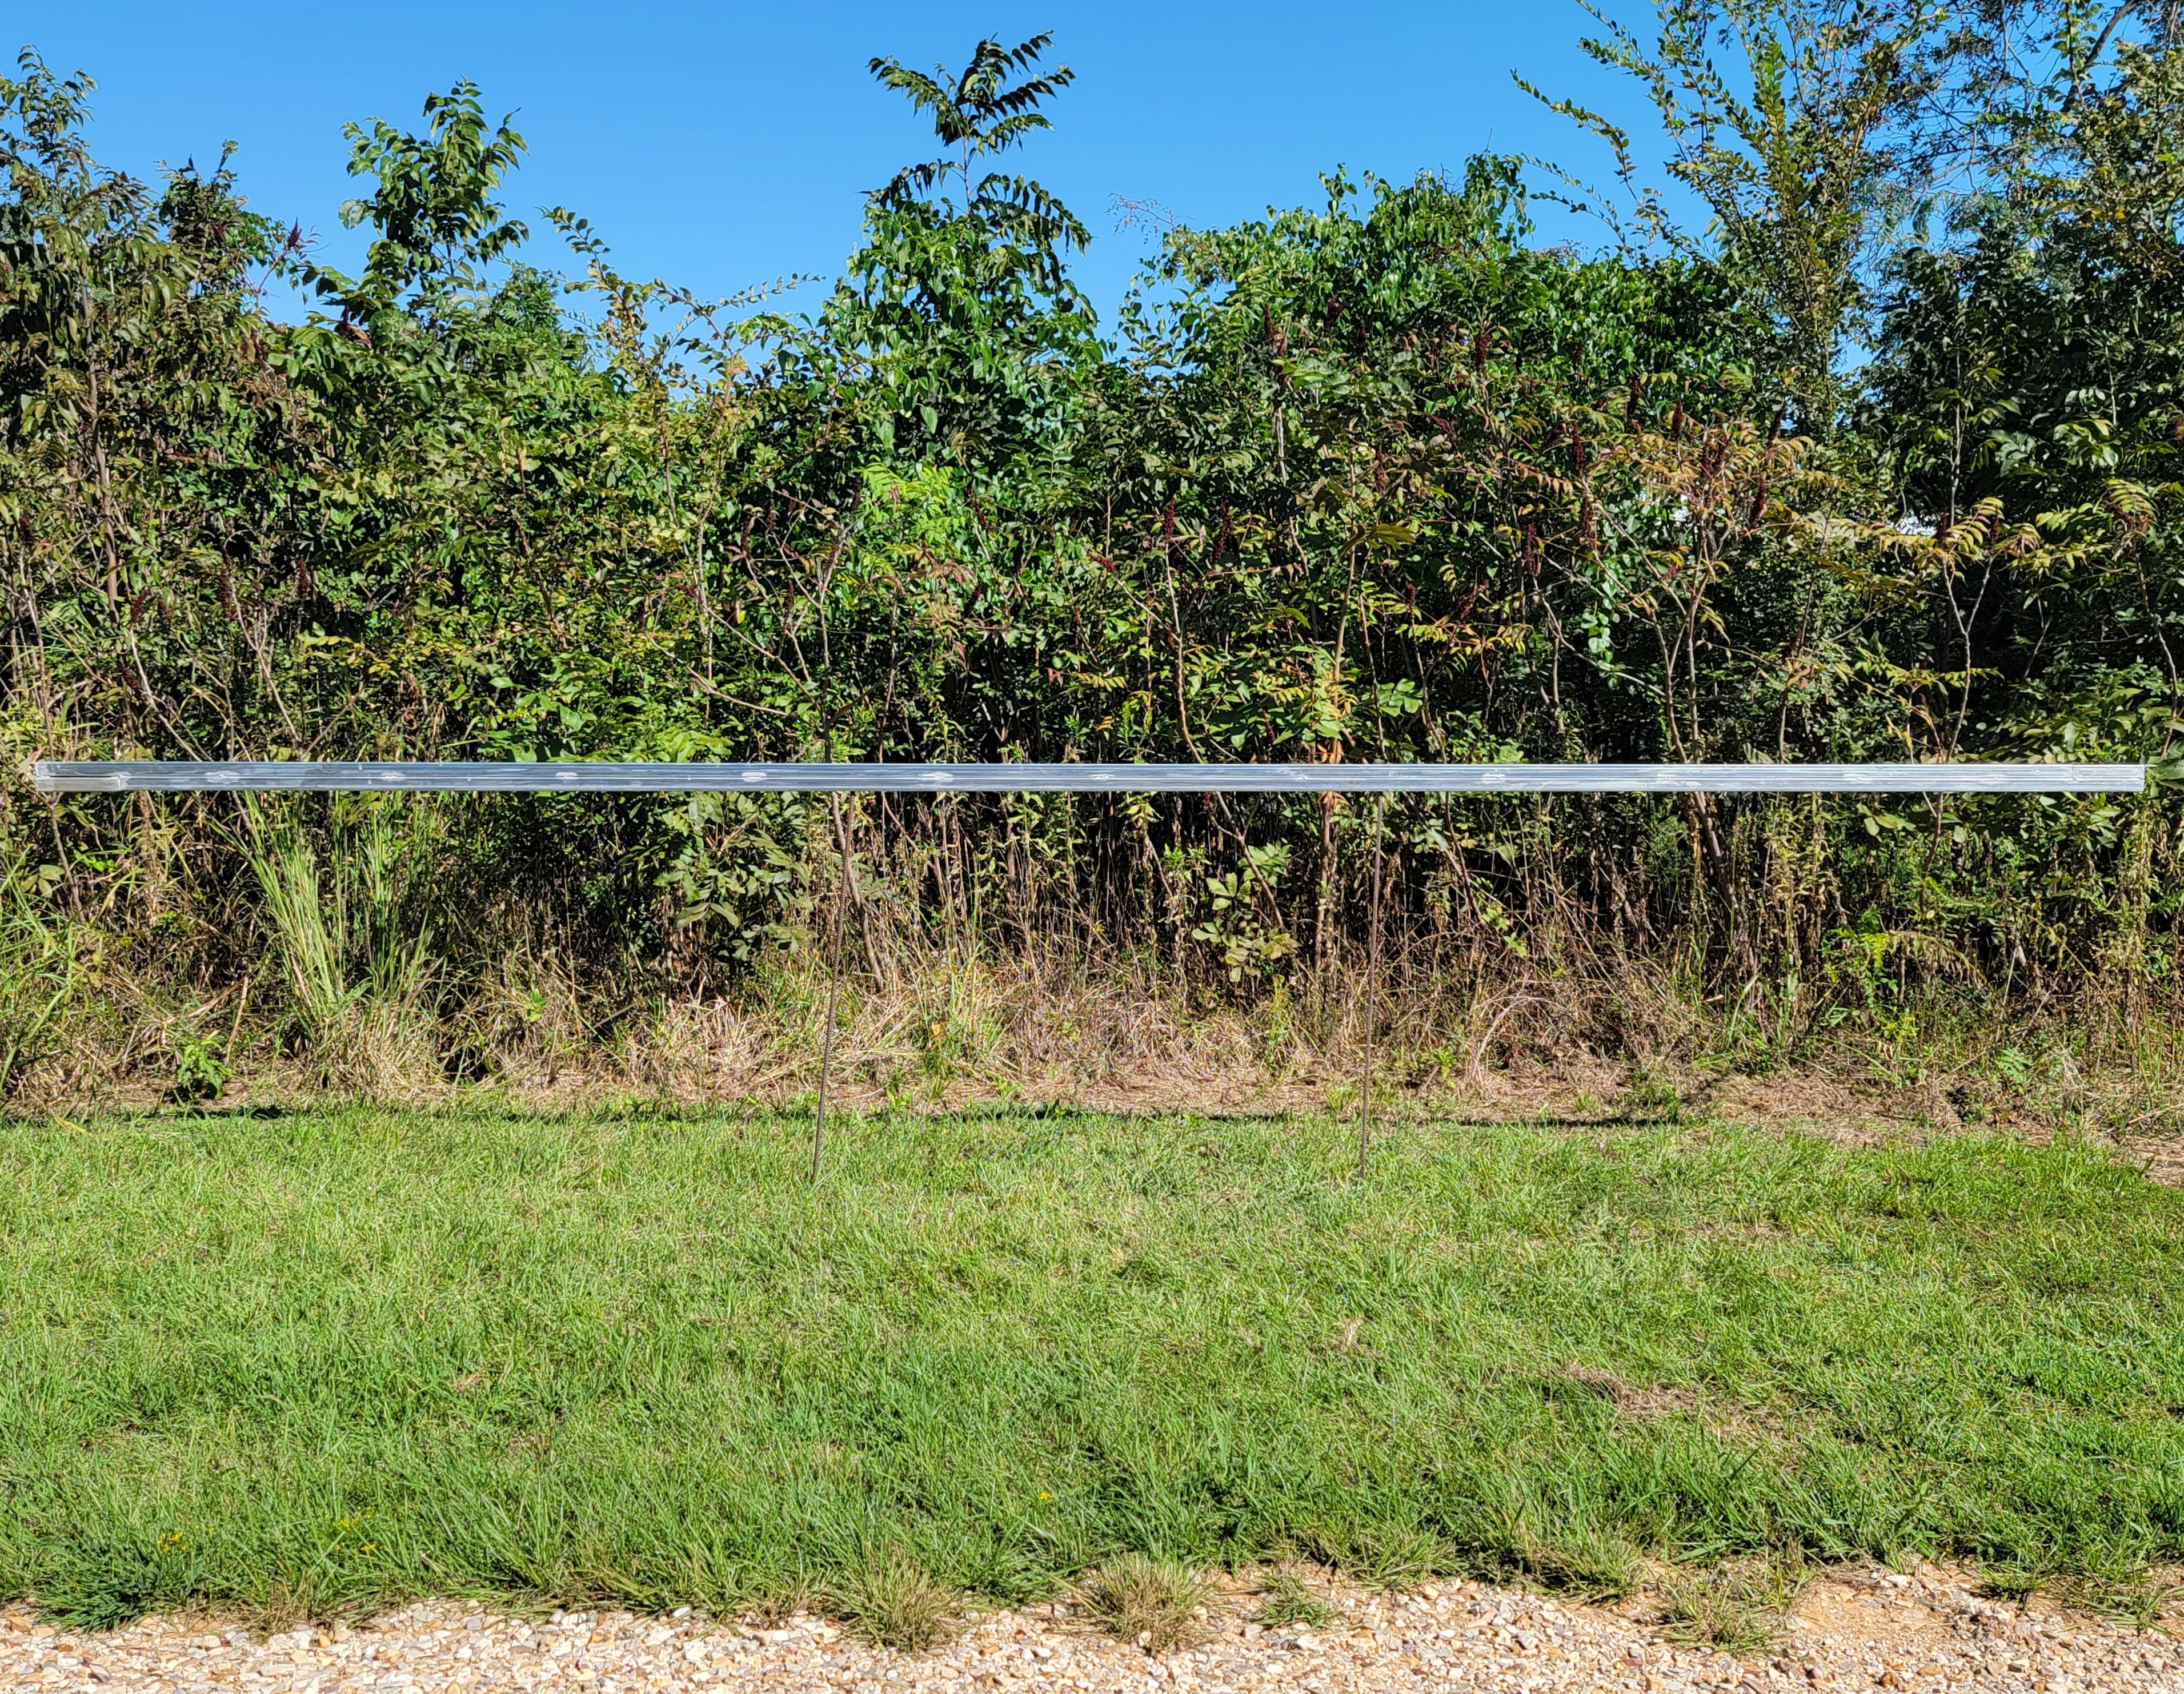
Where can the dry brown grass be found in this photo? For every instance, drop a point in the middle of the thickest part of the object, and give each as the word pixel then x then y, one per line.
pixel 893 1601
pixel 1739 1606
pixel 1157 1603
pixel 941 1026
pixel 1289 1600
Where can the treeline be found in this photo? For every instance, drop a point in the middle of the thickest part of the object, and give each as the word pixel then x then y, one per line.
pixel 1879 462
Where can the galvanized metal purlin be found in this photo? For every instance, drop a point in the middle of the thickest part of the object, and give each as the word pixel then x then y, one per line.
pixel 61 776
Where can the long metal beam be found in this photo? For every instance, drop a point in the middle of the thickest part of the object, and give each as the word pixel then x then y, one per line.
pixel 63 777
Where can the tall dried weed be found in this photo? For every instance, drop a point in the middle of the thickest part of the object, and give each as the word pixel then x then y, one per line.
pixel 1157 1604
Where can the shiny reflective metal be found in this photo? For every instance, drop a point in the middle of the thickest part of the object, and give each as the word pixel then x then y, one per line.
pixel 61 776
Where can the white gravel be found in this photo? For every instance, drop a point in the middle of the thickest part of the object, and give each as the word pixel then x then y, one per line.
pixel 1851 1631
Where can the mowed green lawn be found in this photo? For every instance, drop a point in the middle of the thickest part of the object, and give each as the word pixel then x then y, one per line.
pixel 335 1359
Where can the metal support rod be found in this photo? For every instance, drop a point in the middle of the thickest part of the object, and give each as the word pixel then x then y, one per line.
pixel 1372 993
pixel 833 986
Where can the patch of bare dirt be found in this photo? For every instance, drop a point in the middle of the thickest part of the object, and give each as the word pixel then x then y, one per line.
pixel 1641 1400
pixel 2162 1158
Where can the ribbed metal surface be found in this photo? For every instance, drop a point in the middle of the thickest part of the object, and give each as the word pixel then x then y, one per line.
pixel 82 777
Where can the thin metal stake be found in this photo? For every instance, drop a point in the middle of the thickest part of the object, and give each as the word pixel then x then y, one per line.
pixel 834 987
pixel 1371 994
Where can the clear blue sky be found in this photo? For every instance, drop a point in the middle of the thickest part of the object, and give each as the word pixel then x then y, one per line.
pixel 722 145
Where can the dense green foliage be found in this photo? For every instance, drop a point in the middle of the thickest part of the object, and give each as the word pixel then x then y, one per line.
pixel 327 1360
pixel 1879 465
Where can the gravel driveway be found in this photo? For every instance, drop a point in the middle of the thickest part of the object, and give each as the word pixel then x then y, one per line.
pixel 1851 1631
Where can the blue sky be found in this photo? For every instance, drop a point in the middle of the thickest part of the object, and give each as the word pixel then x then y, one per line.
pixel 722 145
